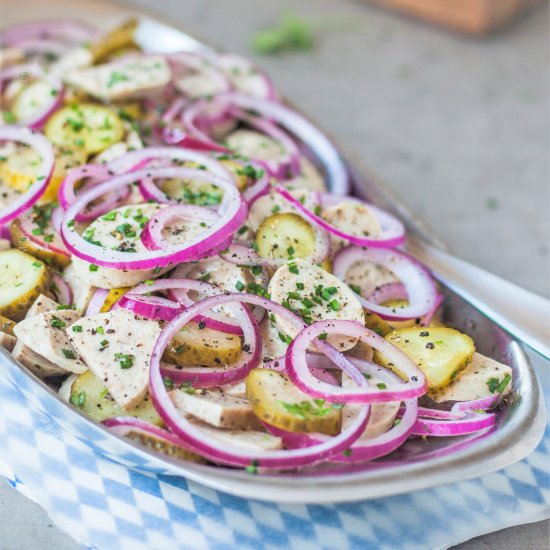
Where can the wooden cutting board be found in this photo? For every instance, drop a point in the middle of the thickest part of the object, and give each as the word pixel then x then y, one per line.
pixel 472 16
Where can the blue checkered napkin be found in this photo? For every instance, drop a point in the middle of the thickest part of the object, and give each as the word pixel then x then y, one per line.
pixel 109 507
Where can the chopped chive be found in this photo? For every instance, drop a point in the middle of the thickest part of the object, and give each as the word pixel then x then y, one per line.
pixel 57 322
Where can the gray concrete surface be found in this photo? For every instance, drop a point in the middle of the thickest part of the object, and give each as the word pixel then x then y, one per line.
pixel 456 127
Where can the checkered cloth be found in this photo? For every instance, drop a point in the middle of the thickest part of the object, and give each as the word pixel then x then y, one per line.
pixel 106 506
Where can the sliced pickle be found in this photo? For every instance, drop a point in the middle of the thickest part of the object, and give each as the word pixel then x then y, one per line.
pixel 278 402
pixel 113 295
pixel 376 323
pixel 441 353
pixel 22 279
pixel 163 446
pixel 92 127
pixel 25 244
pixel 203 346
pixel 92 397
pixel 285 236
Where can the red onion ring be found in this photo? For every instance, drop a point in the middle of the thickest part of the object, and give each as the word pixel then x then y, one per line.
pixel 42 46
pixel 173 135
pixel 388 292
pixel 393 231
pixel 15 71
pixel 98 173
pixel 172 154
pixel 72 32
pixel 200 64
pixel 123 425
pixel 285 168
pixel 260 187
pixel 472 422
pixel 299 373
pixel 97 301
pixel 5 232
pixel 419 285
pixel 36 71
pixel 42 116
pixel 301 130
pixel 151 307
pixel 214 376
pixel 361 450
pixel 61 289
pixel 232 215
pixel 483 404
pixel 190 118
pixel 44 148
pixel 55 245
pixel 151 235
pixel 225 453
pixel 214 320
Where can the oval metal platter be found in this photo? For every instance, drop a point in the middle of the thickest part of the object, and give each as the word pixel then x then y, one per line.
pixel 418 464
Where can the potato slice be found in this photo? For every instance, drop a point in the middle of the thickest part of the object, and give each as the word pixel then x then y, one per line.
pixel 285 236
pixel 278 402
pixel 203 346
pixel 440 352
pixel 93 398
pixel 92 127
pixel 22 279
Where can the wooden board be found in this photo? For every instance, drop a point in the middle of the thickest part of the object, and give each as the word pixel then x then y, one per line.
pixel 472 16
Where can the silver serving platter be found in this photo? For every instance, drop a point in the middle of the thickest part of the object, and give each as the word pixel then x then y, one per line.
pixel 418 464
